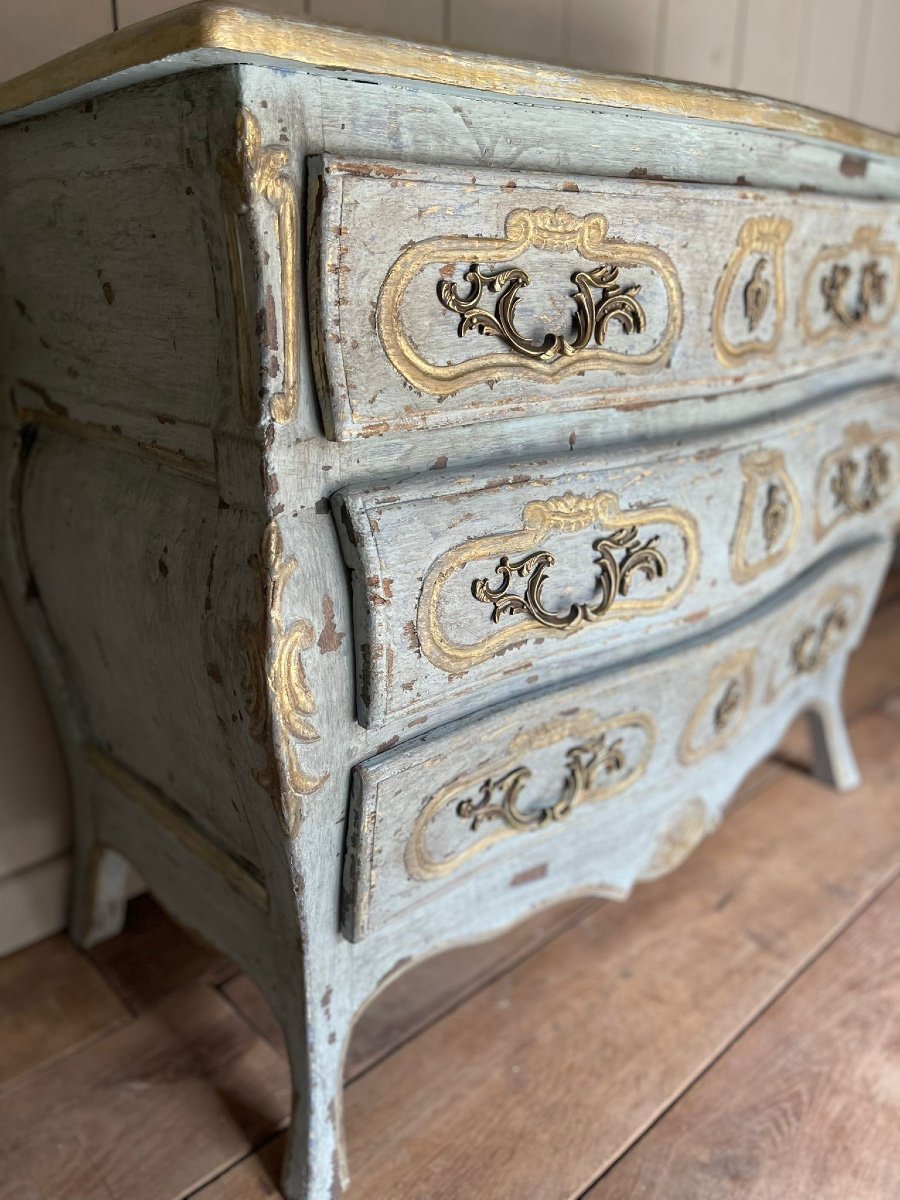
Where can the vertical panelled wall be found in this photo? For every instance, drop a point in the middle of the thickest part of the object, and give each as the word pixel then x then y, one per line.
pixel 834 54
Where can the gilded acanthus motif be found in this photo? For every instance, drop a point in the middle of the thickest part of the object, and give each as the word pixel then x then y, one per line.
pixel 601 299
pixel 620 556
pixel 462 819
pixel 499 798
pixel 592 316
pixel 857 476
pixel 293 702
pixel 265 171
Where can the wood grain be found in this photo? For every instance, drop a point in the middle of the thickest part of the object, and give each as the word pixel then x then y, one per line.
pixel 154 1109
pixel 51 1000
pixel 807 1103
pixel 551 1071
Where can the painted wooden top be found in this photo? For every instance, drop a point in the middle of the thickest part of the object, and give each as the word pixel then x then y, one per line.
pixel 212 34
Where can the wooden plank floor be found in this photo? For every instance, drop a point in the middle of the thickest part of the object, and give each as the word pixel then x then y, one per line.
pixel 732 1031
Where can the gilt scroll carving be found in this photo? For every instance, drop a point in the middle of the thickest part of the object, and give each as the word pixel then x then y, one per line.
pixel 722 709
pixel 769 516
pixel 556 232
pixel 620 557
pixel 254 171
pixel 466 817
pixel 850 288
pixel 759 297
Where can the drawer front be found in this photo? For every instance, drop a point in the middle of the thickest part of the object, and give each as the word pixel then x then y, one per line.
pixel 606 782
pixel 442 297
pixel 468 589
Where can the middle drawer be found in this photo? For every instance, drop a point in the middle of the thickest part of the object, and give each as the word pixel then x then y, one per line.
pixel 473 588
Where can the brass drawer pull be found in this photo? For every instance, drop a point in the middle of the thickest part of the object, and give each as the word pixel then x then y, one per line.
pixel 592 317
pixel 875 482
pixel 613 579
pixel 815 643
pixel 500 797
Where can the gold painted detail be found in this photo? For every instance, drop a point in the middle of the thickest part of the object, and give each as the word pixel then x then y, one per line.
pixel 769 516
pixel 592 317
pixel 814 645
pixel 499 798
pixel 853 287
pixel 560 514
pixel 613 580
pixel 608 757
pixel 555 231
pixel 254 170
pixel 871 490
pixel 857 476
pixel 293 702
pixel 761 241
pixel 722 708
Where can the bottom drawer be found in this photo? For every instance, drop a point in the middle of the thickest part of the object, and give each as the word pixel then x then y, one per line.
pixel 608 781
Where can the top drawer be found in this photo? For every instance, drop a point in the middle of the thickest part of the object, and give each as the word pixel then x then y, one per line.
pixel 593 293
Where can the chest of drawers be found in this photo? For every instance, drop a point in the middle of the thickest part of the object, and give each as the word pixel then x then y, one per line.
pixel 432 482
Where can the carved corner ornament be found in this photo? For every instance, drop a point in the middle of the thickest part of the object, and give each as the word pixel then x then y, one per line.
pixel 769 517
pixel 744 303
pixel 252 171
pixel 857 477
pixel 722 709
pixel 286 686
pixel 603 297
pixel 622 559
pixel 473 813
pixel 850 288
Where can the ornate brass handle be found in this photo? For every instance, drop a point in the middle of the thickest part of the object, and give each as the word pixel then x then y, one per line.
pixel 499 798
pixel 592 316
pixel 871 291
pixel 613 579
pixel 874 484
pixel 812 647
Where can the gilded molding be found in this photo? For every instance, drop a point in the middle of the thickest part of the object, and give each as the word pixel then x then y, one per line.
pixel 256 170
pixel 722 710
pixel 544 229
pixel 851 298
pixel 223 33
pixel 770 498
pixel 856 477
pixel 764 239
pixel 293 702
pixel 588 773
pixel 568 513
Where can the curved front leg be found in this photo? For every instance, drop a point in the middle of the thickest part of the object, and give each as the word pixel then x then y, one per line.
pixel 833 760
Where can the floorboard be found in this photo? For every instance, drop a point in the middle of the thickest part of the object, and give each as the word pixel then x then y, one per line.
pixel 553 1070
pixel 806 1105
